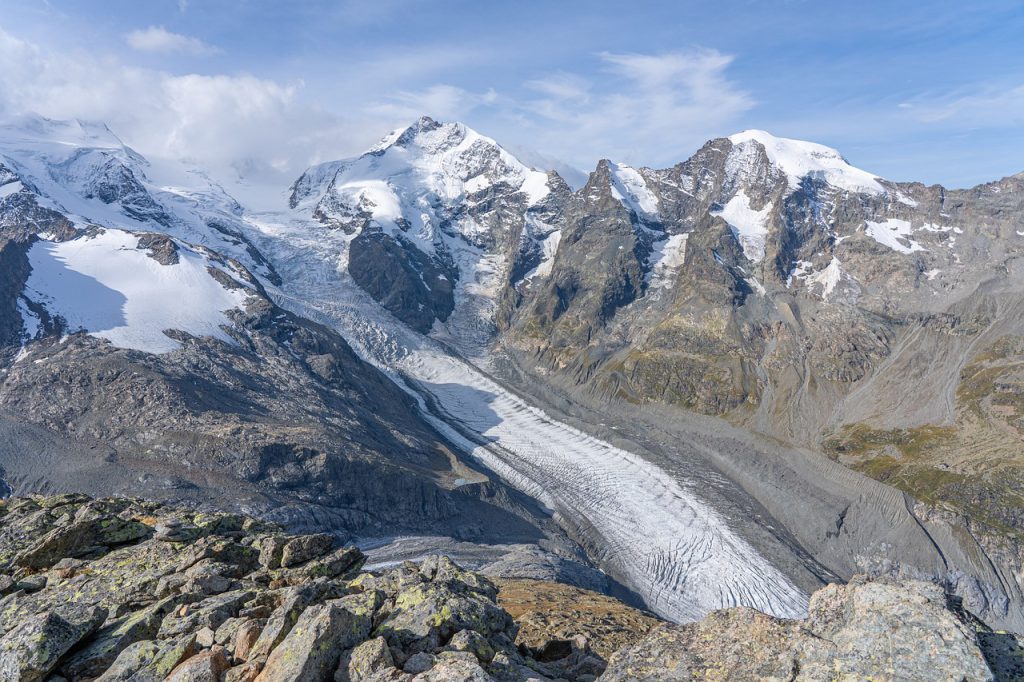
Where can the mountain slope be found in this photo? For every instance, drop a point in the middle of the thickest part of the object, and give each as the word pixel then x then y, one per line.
pixel 646 374
pixel 138 359
pixel 769 283
pixel 436 212
pixel 810 302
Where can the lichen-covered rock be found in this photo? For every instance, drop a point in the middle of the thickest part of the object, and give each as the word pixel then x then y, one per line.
pixel 114 637
pixel 431 603
pixel 313 647
pixel 889 631
pixel 144 611
pixel 30 651
pixel 370 657
pixel 419 663
pixel 66 541
pixel 294 601
pixel 301 549
pixel 208 613
pixel 881 630
pixel 246 672
pixel 149 660
pixel 340 562
pixel 206 666
pixel 271 547
pixel 451 667
pixel 474 643
pixel 246 635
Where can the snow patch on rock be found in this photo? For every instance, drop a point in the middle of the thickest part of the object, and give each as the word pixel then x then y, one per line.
pixel 893 233
pixel 750 227
pixel 933 227
pixel 828 278
pixel 629 187
pixel 105 285
pixel 667 256
pixel 10 188
pixel 549 247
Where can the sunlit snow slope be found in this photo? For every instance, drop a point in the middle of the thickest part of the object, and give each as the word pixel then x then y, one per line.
pixel 106 285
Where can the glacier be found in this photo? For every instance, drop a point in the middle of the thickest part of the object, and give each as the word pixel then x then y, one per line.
pixel 675 551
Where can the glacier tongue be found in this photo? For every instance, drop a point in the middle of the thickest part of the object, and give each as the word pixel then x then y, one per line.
pixel 654 533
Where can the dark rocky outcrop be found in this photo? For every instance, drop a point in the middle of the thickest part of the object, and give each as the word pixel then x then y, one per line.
pixel 413 286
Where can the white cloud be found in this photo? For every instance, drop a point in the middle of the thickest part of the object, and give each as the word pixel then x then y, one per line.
pixel 653 108
pixel 985 105
pixel 561 86
pixel 161 41
pixel 218 121
pixel 641 108
pixel 442 102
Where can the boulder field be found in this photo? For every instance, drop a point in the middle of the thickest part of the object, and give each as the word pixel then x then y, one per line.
pixel 119 590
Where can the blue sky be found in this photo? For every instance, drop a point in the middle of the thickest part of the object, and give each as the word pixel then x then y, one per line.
pixel 930 91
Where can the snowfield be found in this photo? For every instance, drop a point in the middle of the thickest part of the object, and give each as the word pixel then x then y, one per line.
pixel 652 531
pixel 750 227
pixel 667 256
pixel 799 159
pixel 108 287
pixel 629 187
pixel 893 233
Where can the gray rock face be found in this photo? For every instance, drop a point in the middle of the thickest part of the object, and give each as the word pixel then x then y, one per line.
pixel 149 660
pixel 14 270
pixel 866 630
pixel 207 666
pixel 30 651
pixel 115 636
pixel 412 286
pixel 315 643
pixel 305 547
pixel 364 660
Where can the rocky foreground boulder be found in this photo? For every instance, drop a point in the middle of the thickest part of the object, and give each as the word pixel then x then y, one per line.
pixel 120 590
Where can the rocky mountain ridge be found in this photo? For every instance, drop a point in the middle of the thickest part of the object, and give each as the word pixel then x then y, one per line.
pixel 143 354
pixel 120 589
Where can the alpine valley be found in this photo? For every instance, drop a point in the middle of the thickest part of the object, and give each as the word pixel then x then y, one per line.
pixel 725 383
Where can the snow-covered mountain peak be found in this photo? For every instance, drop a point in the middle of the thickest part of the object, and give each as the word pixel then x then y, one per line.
pixel 59 178
pixel 35 129
pixel 415 179
pixel 798 159
pixel 403 136
pixel 53 147
pixel 630 187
